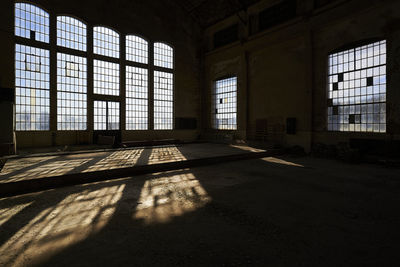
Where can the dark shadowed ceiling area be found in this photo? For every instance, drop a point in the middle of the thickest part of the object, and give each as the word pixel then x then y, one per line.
pixel 208 12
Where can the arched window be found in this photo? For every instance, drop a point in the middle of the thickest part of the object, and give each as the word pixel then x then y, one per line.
pixel 71 33
pixel 32 69
pixel 163 55
pixel 105 42
pixel 31 22
pixel 357 89
pixel 136 49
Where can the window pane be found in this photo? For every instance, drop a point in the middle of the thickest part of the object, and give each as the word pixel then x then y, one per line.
pixel 31 22
pixel 32 81
pixel 105 42
pixel 163 100
pixel 71 33
pixel 357 89
pixel 100 115
pixel 224 104
pixel 106 77
pixel 136 98
pixel 113 116
pixel 136 49
pixel 163 55
pixel 71 92
pixel 106 115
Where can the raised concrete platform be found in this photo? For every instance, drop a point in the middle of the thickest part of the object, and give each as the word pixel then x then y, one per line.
pixel 46 171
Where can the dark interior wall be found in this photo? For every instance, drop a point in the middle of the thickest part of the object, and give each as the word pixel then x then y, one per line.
pixel 285 71
pixel 6 72
pixel 336 28
pixel 157 20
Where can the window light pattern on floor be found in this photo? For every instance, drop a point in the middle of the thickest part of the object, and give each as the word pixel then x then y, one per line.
pixel 136 98
pixel 31 22
pixel 224 104
pixel 32 94
pixel 71 92
pixel 163 100
pixel 357 89
pixel 71 33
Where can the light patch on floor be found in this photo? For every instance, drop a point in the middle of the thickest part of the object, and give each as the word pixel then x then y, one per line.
pixel 47 166
pixel 281 161
pixel 164 198
pixel 72 220
pixel 7 213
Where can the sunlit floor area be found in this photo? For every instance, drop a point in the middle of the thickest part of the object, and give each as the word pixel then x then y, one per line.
pixel 274 211
pixel 33 167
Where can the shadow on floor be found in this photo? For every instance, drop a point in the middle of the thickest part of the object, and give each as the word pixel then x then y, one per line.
pixel 257 213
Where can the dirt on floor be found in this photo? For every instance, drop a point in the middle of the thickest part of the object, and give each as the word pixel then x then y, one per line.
pixel 275 211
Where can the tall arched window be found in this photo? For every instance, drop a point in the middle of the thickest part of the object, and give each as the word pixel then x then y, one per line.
pixel 106 78
pixel 136 84
pixel 71 75
pixel 163 87
pixel 32 69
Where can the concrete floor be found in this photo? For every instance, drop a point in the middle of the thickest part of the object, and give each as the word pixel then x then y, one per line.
pixel 51 164
pixel 275 211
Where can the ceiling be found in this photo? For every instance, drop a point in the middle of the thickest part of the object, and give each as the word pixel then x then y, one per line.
pixel 208 12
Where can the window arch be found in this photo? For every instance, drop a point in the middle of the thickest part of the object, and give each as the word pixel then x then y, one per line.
pixel 105 42
pixel 163 55
pixel 31 22
pixel 71 33
pixel 136 49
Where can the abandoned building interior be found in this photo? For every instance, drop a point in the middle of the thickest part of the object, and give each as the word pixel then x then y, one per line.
pixel 199 133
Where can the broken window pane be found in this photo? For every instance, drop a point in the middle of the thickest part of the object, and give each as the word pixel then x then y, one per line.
pixel 224 101
pixel 357 89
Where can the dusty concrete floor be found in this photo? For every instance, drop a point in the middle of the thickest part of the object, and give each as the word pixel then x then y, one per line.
pixel 267 212
pixel 34 167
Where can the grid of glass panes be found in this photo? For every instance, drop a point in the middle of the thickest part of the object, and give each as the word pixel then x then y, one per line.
pixel 136 49
pixel 31 22
pixel 71 92
pixel 136 98
pixel 106 115
pixel 106 77
pixel 112 115
pixel 163 55
pixel 105 42
pixel 224 104
pixel 32 96
pixel 100 115
pixel 163 100
pixel 357 89
pixel 71 33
